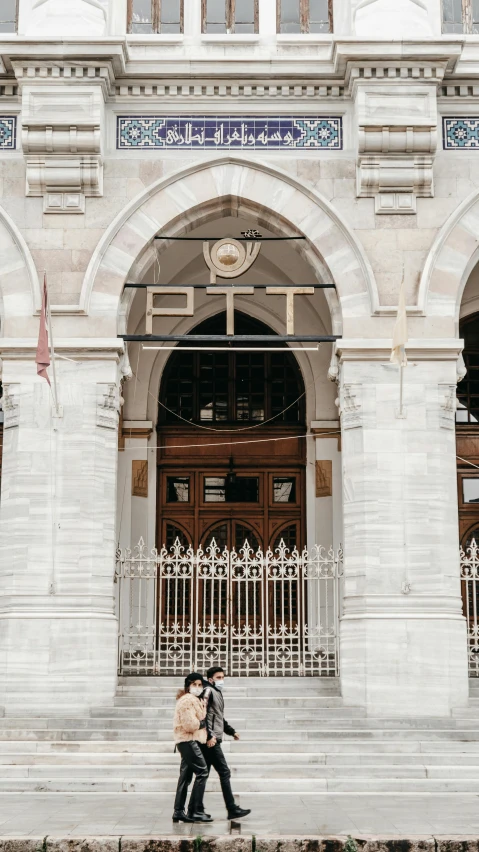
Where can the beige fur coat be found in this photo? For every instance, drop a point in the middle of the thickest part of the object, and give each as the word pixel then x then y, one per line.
pixel 189 712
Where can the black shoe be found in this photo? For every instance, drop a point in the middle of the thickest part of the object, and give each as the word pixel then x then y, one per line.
pixel 200 818
pixel 238 813
pixel 180 816
pixel 201 812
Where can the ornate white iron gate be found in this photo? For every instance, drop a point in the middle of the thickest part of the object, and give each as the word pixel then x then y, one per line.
pixel 470 599
pixel 253 613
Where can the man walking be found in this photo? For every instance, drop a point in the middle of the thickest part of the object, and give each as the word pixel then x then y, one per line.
pixel 217 726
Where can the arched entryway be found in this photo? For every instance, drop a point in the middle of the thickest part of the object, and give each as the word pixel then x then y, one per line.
pixel 229 464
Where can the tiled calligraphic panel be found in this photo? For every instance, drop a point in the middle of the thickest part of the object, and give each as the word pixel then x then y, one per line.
pixel 8 132
pixel 229 132
pixel 461 132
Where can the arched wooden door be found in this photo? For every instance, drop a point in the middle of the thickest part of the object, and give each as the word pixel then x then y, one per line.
pixel 228 427
pixel 232 468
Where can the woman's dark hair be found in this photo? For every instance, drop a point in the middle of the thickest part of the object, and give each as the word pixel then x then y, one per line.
pixel 214 670
pixel 189 679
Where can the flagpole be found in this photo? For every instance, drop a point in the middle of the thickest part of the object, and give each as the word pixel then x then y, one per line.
pixel 401 376
pixel 52 348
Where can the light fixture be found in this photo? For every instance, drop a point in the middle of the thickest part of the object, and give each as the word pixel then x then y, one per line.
pixel 231 475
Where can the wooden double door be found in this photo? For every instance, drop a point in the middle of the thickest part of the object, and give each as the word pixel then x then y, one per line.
pixel 246 497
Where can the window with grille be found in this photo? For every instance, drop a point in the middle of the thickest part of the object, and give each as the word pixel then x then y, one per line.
pixel 460 16
pixel 220 387
pixel 8 16
pixel 468 389
pixel 230 16
pixel 305 16
pixel 155 16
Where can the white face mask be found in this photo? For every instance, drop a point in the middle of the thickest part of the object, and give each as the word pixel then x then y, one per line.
pixel 219 684
pixel 196 690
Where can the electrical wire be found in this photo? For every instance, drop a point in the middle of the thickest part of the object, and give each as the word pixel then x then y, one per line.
pixel 228 431
pixel 237 443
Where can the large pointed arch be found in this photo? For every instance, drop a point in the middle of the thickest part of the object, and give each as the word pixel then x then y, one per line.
pixel 19 287
pixel 233 186
pixel 452 257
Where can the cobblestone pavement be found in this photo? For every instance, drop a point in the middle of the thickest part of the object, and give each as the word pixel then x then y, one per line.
pixel 133 814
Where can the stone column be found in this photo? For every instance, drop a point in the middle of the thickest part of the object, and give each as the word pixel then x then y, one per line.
pixel 403 635
pixel 58 631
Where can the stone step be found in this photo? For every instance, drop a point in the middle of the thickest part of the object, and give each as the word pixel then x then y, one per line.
pixel 321 720
pixel 169 774
pixel 234 710
pixel 258 736
pixel 243 762
pixel 365 784
pixel 252 701
pixel 448 750
pixel 251 682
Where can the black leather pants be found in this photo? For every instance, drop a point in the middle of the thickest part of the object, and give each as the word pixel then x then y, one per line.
pixel 192 763
pixel 215 757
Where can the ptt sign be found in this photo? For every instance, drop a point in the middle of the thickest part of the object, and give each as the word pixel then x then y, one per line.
pixel 230 292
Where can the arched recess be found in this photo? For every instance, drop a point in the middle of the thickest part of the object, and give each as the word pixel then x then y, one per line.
pixel 453 256
pixel 201 192
pixel 19 286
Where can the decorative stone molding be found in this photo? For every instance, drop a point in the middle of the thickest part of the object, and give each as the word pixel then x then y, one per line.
pixel 349 407
pixel 11 406
pixel 397 139
pixel 247 91
pixel 447 414
pixel 61 132
pixel 107 406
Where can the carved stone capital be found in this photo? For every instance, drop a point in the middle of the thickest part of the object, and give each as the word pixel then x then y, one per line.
pixel 448 404
pixel 350 406
pixel 108 405
pixel 11 406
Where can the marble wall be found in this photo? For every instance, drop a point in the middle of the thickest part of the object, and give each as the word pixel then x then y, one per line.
pixel 392 203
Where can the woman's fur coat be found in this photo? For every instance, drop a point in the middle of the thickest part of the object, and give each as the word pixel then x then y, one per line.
pixel 189 712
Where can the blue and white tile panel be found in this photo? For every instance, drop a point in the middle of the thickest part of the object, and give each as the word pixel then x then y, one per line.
pixel 460 132
pixel 8 132
pixel 229 132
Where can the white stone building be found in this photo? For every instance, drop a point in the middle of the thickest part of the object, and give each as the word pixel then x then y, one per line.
pixel 352 127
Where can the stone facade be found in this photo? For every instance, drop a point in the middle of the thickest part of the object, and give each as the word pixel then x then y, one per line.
pixel 108 139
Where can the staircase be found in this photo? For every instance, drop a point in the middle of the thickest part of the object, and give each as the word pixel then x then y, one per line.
pixel 297 736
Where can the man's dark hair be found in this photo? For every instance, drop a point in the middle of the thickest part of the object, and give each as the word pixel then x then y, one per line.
pixel 214 670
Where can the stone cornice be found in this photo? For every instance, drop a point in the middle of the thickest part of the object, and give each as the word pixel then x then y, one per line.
pixel 416 350
pixel 94 348
pixel 331 63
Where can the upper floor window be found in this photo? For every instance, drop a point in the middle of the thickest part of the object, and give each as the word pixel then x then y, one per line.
pixel 155 16
pixel 305 16
pixel 460 16
pixel 8 16
pixel 229 16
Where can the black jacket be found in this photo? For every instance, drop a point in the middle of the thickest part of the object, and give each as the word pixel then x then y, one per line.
pixel 216 723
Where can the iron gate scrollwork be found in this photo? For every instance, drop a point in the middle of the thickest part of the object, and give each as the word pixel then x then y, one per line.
pixel 254 613
pixel 469 560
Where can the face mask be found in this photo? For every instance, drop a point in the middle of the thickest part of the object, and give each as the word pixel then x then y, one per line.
pixel 196 690
pixel 219 684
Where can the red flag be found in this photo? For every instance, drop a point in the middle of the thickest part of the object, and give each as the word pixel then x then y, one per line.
pixel 43 353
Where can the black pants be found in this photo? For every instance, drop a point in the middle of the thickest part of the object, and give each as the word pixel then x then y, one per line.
pixel 215 757
pixel 192 763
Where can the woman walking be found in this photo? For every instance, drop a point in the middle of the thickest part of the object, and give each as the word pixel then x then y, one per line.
pixel 189 732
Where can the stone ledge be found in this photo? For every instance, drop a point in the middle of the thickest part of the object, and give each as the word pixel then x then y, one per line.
pixel 238 843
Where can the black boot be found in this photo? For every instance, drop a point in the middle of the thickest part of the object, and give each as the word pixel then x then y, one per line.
pixel 180 816
pixel 200 818
pixel 238 812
